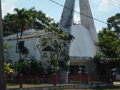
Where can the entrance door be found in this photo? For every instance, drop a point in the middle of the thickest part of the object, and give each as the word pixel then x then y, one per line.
pixel 74 69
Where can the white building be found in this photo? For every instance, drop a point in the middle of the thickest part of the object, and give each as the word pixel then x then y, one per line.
pixel 81 50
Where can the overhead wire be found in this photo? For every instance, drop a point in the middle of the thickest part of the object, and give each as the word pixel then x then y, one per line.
pixel 78 12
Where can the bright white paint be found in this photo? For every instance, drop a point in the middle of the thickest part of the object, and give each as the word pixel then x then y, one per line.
pixel 83 44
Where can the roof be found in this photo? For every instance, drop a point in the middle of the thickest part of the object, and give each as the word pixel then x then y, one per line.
pixel 30 35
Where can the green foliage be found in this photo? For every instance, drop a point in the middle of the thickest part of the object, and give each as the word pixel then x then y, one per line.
pixel 30 67
pixel 8 63
pixel 108 43
pixel 38 19
pixel 8 25
pixel 6 49
pixel 58 57
pixel 108 53
pixel 114 22
pixel 8 70
pixel 24 18
pixel 25 51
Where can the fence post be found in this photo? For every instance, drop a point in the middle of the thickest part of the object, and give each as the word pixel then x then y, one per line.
pixel 86 78
pixel 21 80
pixel 68 77
pixel 59 78
pixel 112 76
pixel 54 79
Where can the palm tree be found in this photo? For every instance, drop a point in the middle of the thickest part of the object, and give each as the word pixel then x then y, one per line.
pixel 20 19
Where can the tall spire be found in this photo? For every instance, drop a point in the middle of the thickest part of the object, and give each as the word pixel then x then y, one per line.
pixel 87 22
pixel 67 16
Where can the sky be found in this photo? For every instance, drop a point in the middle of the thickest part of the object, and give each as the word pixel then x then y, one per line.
pixel 101 9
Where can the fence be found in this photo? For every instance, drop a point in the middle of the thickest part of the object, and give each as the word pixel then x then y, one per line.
pixel 58 79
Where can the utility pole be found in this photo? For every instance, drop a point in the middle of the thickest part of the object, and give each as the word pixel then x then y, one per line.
pixel 2 70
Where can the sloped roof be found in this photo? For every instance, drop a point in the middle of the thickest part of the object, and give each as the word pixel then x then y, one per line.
pixel 30 35
pixel 48 48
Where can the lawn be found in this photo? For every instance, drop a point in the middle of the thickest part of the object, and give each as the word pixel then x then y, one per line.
pixel 115 87
pixel 34 85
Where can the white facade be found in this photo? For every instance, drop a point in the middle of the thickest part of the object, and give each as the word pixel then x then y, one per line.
pixel 82 48
pixel 83 44
pixel 29 44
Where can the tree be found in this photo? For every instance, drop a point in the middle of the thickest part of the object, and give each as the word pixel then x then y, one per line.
pixel 108 43
pixel 108 53
pixel 24 19
pixel 114 23
pixel 8 25
pixel 52 49
pixel 20 18
pixel 38 19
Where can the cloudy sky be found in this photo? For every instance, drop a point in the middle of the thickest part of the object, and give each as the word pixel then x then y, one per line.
pixel 101 9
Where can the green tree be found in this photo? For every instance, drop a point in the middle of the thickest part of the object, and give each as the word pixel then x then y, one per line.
pixel 20 17
pixel 53 49
pixel 114 23
pixel 24 19
pixel 8 22
pixel 108 53
pixel 38 19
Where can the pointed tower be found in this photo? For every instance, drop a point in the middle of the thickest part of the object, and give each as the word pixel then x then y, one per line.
pixel 82 48
pixel 67 16
pixel 87 18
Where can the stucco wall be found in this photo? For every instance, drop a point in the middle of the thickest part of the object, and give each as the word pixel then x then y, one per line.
pixel 29 44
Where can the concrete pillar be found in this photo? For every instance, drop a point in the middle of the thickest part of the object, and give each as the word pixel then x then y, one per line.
pixel 66 24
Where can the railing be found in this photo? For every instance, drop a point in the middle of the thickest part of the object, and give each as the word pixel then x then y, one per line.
pixel 57 79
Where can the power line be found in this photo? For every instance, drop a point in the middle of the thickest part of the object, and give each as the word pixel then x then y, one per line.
pixel 79 12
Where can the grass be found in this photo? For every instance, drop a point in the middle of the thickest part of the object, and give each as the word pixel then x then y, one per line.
pixel 12 85
pixel 115 87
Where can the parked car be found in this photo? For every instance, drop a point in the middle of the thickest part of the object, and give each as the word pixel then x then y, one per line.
pixel 116 73
pixel 117 76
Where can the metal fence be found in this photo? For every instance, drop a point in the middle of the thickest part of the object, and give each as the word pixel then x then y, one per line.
pixel 58 79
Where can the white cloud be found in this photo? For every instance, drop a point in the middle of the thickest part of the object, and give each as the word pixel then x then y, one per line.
pixel 99 30
pixel 77 9
pixel 76 18
pixel 8 6
pixel 106 5
pixel 49 16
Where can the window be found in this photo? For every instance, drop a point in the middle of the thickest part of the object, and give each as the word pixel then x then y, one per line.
pixel 21 45
pixel 74 69
pixel 82 69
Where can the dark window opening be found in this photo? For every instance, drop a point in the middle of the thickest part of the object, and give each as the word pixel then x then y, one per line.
pixel 82 69
pixel 21 45
pixel 74 69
